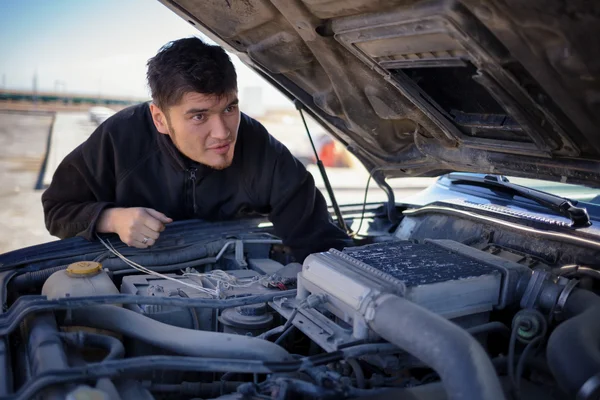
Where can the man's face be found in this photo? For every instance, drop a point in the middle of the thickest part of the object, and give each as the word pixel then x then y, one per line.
pixel 203 127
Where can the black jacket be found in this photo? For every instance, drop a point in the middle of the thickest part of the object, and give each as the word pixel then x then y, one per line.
pixel 126 162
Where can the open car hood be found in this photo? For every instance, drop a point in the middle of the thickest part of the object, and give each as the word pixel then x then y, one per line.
pixel 421 88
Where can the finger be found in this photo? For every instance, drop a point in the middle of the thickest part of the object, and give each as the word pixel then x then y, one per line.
pixel 136 243
pixel 149 233
pixel 141 242
pixel 149 243
pixel 128 240
pixel 153 223
pixel 159 216
pixel 139 245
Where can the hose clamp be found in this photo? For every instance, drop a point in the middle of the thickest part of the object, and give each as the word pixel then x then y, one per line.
pixel 534 288
pixel 562 299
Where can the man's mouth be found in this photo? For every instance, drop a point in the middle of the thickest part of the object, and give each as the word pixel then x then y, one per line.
pixel 221 149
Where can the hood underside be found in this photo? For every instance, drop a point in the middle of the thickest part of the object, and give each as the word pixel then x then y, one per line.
pixel 420 88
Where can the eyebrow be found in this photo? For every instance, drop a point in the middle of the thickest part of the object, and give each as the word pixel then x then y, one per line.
pixel 234 102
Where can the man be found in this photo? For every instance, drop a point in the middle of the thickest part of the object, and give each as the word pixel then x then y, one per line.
pixel 189 154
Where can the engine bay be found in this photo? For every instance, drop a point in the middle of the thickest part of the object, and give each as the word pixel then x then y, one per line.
pixel 421 312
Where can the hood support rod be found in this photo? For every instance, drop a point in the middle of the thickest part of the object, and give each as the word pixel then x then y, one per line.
pixel 336 207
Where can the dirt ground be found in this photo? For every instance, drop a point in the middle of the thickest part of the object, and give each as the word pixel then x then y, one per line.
pixel 23 141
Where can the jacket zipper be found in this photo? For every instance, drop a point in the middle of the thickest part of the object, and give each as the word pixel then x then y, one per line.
pixel 192 178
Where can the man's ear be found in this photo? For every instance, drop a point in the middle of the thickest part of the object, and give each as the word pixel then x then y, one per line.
pixel 159 118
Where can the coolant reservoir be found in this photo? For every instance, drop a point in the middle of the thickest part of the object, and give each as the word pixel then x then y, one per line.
pixel 84 278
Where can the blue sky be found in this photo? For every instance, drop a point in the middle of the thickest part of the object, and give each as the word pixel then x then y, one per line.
pixel 92 46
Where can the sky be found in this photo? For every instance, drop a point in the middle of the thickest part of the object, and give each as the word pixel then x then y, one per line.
pixel 95 46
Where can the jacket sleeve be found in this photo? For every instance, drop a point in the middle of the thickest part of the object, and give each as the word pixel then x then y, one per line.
pixel 82 187
pixel 298 209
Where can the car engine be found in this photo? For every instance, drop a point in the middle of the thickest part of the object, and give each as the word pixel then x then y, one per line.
pixel 394 317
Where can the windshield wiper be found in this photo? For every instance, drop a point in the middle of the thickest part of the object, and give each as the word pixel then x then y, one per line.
pixel 566 207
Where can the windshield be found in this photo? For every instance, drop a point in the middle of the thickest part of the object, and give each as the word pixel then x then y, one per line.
pixel 573 192
pixel 349 186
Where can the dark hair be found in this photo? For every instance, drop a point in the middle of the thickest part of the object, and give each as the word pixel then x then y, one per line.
pixel 189 65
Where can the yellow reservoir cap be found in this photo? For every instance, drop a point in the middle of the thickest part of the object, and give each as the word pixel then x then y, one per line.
pixel 84 268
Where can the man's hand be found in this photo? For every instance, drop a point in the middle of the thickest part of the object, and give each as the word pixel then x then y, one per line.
pixel 137 227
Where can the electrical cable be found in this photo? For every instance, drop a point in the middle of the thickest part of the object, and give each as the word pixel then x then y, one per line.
pixel 288 323
pixel 523 359
pixel 511 354
pixel 532 342
pixel 285 334
pixel 145 270
pixel 364 206
pixel 287 328
pixel 221 279
pixel 489 327
pixel 269 333
pixel 310 302
pixel 170 268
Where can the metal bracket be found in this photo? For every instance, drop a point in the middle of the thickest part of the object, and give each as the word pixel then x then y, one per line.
pixel 239 254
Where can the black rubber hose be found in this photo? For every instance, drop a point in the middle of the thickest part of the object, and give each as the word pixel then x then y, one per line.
pixel 287 387
pixel 531 346
pixel 34 279
pixel 490 327
pixel 158 257
pixel 46 351
pixel 463 365
pixel 189 257
pixel 82 339
pixel 178 340
pixel 573 350
pixel 271 332
pixel 6 371
pixel 285 334
pixel 196 389
pixel 358 372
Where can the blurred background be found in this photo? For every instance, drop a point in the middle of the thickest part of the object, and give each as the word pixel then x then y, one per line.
pixel 67 65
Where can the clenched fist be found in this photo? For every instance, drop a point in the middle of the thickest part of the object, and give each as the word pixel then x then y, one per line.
pixel 137 227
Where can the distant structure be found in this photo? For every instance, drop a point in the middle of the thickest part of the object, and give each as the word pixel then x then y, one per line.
pixel 35 87
pixel 64 98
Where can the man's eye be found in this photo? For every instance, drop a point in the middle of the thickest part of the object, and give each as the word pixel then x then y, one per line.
pixel 230 109
pixel 198 117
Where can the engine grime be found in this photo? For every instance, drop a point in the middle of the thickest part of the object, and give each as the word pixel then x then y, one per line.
pixel 450 282
pixel 418 264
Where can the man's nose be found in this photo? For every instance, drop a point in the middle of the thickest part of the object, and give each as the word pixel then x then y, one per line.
pixel 219 129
